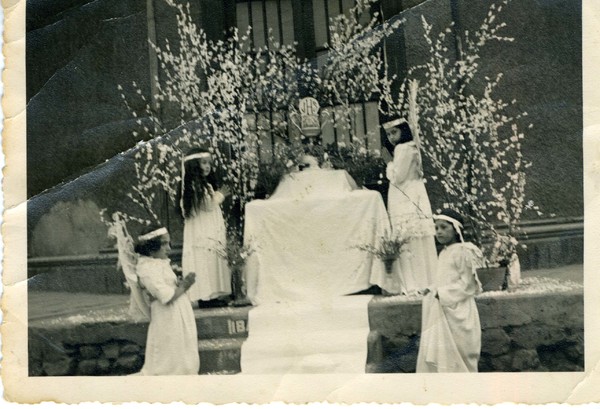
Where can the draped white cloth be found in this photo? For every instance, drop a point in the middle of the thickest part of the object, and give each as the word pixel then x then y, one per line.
pixel 314 182
pixel 305 234
pixel 410 212
pixel 329 336
pixel 172 343
pixel 451 330
pixel 304 264
pixel 204 231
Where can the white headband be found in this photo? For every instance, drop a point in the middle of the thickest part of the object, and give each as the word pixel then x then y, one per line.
pixel 198 155
pixel 393 123
pixel 458 226
pixel 153 234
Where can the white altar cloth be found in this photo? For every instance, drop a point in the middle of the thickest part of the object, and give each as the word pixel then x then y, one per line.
pixel 304 236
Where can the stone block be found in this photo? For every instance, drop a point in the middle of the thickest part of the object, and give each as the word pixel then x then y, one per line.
pixel 111 350
pixel 496 313
pixel 393 320
pixel 87 367
pixel 374 348
pixel 556 358
pixel 135 333
pixel 212 325
pixel 525 360
pixel 484 364
pixel 532 336
pixel 575 353
pixel 400 354
pixel 494 341
pixel 407 363
pixel 129 364
pixel 59 367
pixel 89 351
pixel 398 342
pixel 35 367
pixel 130 349
pixel 220 356
pixel 564 310
pixel 104 366
pixel 566 366
pixel 35 348
pixel 502 363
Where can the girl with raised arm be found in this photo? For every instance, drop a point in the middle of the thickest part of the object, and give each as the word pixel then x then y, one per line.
pixel 409 210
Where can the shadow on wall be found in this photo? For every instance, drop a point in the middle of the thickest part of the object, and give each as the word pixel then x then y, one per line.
pixel 69 228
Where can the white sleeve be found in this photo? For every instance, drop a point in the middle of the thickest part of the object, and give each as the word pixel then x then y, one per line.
pixel 153 281
pixel 398 169
pixel 218 198
pixel 466 262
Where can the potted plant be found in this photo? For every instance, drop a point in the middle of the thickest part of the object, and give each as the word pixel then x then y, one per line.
pixel 502 263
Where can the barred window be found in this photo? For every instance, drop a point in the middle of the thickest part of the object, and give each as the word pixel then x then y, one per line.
pixel 265 15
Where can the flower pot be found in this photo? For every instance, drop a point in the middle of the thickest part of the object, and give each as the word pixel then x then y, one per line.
pixel 493 278
pixel 237 287
pixel 389 264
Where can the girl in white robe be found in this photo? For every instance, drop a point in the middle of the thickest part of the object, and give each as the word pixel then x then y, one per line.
pixel 204 229
pixel 172 341
pixel 451 331
pixel 410 212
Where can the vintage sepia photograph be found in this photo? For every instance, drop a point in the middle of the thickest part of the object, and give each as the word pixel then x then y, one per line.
pixel 275 188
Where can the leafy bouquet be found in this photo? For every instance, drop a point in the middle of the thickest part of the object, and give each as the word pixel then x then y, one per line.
pixel 234 252
pixel 502 251
pixel 365 166
pixel 391 244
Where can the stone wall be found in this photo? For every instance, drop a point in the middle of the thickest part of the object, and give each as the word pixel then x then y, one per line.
pixel 542 332
pixel 110 358
pixel 89 349
pixel 521 332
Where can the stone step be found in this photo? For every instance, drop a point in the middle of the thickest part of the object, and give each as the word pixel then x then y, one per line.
pixel 218 323
pixel 220 356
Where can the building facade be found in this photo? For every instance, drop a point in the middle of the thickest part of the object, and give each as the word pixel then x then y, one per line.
pixel 78 127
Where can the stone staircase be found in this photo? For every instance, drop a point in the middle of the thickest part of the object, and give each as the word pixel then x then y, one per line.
pixel 221 333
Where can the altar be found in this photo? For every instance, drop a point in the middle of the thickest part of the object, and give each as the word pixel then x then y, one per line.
pixel 305 237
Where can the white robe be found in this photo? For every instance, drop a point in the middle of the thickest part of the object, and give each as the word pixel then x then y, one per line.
pixel 450 327
pixel 204 231
pixel 172 343
pixel 410 211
